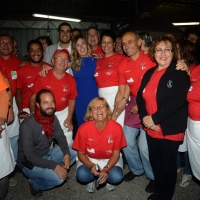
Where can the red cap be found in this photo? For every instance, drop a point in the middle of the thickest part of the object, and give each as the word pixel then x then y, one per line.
pixel 61 50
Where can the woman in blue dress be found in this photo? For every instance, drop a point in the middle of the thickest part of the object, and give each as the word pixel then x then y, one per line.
pixel 83 67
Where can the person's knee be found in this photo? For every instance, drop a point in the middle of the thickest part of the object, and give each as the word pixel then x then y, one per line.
pixel 116 175
pixel 83 174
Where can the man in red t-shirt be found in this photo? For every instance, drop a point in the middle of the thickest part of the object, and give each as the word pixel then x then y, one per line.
pixel 27 75
pixel 63 86
pixel 92 36
pixel 130 73
pixel 9 64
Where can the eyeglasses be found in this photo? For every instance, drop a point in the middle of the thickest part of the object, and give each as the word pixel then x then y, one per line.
pixel 3 42
pixel 101 107
pixel 62 59
pixel 166 51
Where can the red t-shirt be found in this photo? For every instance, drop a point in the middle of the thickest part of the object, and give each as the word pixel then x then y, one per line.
pixel 98 53
pixel 27 75
pixel 192 67
pixel 193 96
pixel 63 89
pixel 9 70
pixel 99 144
pixel 106 71
pixel 149 95
pixel 131 72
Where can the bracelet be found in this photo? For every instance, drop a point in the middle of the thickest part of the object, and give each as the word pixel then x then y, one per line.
pixel 126 99
pixel 107 167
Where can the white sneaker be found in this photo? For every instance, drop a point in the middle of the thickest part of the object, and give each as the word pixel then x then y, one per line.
pixel 91 187
pixel 110 187
pixel 178 170
pixel 185 180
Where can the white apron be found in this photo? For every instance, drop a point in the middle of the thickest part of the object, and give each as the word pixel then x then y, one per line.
pixel 7 163
pixel 193 142
pixel 13 129
pixel 183 147
pixel 109 94
pixel 62 115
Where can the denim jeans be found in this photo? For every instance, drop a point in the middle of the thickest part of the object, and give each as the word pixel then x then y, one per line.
pixel 186 168
pixel 83 174
pixel 14 145
pixel 73 154
pixel 132 154
pixel 44 178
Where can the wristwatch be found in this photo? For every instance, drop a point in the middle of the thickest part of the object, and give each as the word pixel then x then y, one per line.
pixel 2 126
pixel 126 99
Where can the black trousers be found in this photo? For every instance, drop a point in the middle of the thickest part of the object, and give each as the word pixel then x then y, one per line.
pixel 162 156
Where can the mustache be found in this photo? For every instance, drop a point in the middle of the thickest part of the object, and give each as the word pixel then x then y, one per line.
pixel 50 108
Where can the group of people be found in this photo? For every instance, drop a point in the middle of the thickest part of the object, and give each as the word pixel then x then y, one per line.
pixel 147 91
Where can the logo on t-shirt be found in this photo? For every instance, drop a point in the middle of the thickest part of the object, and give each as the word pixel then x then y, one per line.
pixel 130 80
pixel 110 64
pixel 96 74
pixel 109 73
pixel 190 89
pixel 144 90
pixel 30 85
pixel 142 65
pixel 109 139
pixel 13 75
pixel 169 84
pixel 64 88
pixel 91 150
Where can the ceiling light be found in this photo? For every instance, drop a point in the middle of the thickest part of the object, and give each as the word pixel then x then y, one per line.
pixel 185 23
pixel 56 17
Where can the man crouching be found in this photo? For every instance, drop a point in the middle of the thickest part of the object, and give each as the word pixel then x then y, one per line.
pixel 38 159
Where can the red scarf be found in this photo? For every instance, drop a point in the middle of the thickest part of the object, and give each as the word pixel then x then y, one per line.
pixel 47 122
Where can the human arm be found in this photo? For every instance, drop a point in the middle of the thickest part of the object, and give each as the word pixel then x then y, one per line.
pixel 32 101
pixel 68 121
pixel 45 69
pixel 181 65
pixel 120 100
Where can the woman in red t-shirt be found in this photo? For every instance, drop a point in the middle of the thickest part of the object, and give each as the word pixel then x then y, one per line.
pixel 163 109
pixel 106 71
pixel 98 142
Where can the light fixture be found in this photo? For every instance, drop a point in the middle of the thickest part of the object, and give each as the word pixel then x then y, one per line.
pixel 185 23
pixel 56 17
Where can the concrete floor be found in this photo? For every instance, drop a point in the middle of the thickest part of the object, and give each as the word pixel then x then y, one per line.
pixel 72 190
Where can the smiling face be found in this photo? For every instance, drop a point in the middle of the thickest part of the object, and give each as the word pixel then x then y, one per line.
pixel 35 53
pixel 64 34
pixel 81 47
pixel 60 61
pixel 6 46
pixel 107 45
pixel 99 111
pixel 131 45
pixel 93 38
pixel 163 54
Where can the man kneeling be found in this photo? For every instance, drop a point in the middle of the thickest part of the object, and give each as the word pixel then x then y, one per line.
pixel 46 166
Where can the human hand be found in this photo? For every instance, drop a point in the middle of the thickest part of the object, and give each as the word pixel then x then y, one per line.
pixel 61 172
pixel 181 65
pixel 118 108
pixel 66 161
pixel 68 124
pixel 104 176
pixel 147 121
pixel 134 109
pixel 23 114
pixel 155 127
pixel 94 170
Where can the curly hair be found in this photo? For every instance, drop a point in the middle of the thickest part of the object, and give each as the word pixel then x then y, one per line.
pixel 75 57
pixel 164 39
pixel 88 115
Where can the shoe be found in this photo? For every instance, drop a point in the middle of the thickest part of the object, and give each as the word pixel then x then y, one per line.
pixel 150 188
pixel 110 187
pixel 12 182
pixel 35 193
pixel 153 196
pixel 91 187
pixel 185 180
pixel 178 170
pixel 130 176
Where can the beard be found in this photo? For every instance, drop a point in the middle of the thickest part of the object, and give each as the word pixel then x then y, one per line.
pixel 45 112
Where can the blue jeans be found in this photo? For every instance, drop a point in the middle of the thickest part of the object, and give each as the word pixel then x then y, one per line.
pixel 44 178
pixel 73 154
pixel 14 145
pixel 186 168
pixel 83 174
pixel 132 154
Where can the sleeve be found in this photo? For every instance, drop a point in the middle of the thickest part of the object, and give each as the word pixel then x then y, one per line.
pixel 26 134
pixel 73 87
pixel 180 90
pixel 119 141
pixel 140 101
pixel 80 142
pixel 60 137
pixel 37 86
pixel 3 84
pixel 47 55
pixel 121 72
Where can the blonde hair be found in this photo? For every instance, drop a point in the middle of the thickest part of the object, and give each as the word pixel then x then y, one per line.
pixel 88 115
pixel 75 57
